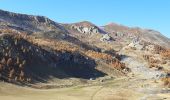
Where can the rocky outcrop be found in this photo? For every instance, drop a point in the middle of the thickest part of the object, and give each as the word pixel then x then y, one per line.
pixel 136 45
pixel 85 30
pixel 124 33
pixel 29 23
pixel 106 38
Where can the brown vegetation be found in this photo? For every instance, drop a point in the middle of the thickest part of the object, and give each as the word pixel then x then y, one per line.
pixel 151 59
pixel 165 54
pixel 62 46
pixel 111 60
pixel 166 82
pixel 153 63
pixel 12 67
pixel 118 65
pixel 158 49
pixel 98 55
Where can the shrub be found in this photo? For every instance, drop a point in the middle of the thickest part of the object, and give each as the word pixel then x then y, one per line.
pixel 11 73
pixel 9 62
pixel 165 54
pixel 3 61
pixel 158 49
pixel 1 67
pixel 166 82
pixel 21 66
pixel 18 61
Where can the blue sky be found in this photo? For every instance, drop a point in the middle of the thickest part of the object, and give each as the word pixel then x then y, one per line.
pixel 153 14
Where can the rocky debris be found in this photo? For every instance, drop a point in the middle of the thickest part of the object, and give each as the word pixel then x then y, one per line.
pixel 141 69
pixel 146 46
pixel 119 34
pixel 151 67
pixel 150 47
pixel 136 45
pixel 106 38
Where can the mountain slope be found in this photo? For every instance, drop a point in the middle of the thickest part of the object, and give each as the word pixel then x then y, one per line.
pixel 80 50
pixel 123 32
pixel 30 24
pixel 23 61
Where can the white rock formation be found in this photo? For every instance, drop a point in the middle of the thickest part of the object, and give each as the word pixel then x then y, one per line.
pixel 85 30
pixel 105 37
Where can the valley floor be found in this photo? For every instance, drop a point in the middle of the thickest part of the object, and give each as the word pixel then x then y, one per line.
pixel 129 88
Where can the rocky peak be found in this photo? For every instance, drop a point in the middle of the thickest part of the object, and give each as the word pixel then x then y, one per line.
pixel 29 23
pixel 86 28
pixel 84 24
pixel 116 27
pixel 23 17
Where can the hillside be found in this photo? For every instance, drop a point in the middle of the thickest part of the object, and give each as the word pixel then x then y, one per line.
pixel 43 54
pixel 127 33
pixel 25 60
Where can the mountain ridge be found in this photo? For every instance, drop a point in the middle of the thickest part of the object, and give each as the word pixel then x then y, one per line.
pixel 77 47
pixel 46 19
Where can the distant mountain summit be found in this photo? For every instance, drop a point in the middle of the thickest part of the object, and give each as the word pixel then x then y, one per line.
pixel 144 34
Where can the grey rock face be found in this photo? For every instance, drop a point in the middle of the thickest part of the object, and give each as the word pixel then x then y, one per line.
pixel 29 23
pixel 106 37
pixel 141 69
pixel 85 30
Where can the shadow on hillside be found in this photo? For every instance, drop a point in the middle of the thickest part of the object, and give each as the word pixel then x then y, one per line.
pixel 80 66
pixel 123 57
pixel 69 65
pixel 81 44
pixel 42 65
